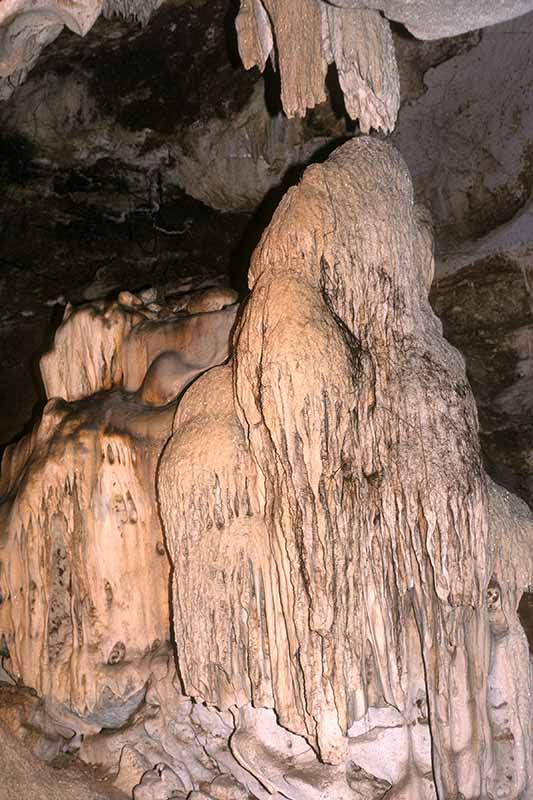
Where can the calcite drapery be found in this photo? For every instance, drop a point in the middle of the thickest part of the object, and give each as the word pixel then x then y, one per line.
pixel 303 37
pixel 345 577
pixel 83 566
pixel 113 345
pixel 326 509
pixel 79 529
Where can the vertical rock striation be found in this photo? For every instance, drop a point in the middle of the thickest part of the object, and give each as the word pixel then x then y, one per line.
pixel 84 570
pixel 325 506
pixel 79 531
pixel 303 37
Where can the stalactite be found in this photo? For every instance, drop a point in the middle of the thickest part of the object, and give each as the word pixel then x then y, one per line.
pixel 304 37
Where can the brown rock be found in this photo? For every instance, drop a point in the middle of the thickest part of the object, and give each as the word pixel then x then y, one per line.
pixel 325 506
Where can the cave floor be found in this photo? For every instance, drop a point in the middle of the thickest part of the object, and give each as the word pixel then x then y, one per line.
pixel 26 777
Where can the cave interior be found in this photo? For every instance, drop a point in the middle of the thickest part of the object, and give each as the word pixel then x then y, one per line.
pixel 216 224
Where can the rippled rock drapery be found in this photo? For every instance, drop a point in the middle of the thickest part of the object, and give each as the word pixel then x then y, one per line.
pixel 332 531
pixel 298 34
pixel 83 566
pixel 305 37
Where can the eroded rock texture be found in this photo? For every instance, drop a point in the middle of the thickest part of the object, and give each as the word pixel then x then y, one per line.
pixel 345 578
pixel 303 37
pixel 23 775
pixel 79 530
pixel 27 27
pixel 137 345
pixel 332 531
pixel 84 570
pixel 432 19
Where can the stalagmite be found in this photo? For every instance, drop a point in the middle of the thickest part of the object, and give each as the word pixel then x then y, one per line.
pixel 332 531
pixel 83 566
pixel 79 529
pixel 344 576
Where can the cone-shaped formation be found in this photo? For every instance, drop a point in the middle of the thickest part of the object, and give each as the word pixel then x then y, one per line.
pixel 304 36
pixel 326 509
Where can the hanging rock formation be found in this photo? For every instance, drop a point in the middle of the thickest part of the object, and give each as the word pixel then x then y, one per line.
pixel 305 36
pixel 28 26
pixel 302 38
pixel 339 557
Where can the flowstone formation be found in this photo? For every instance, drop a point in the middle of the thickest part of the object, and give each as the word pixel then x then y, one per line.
pixel 84 570
pixel 345 575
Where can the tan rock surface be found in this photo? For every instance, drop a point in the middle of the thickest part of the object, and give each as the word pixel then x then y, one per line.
pixel 345 577
pixel 84 570
pixel 325 505
pixel 80 530
pixel 303 37
pixel 104 345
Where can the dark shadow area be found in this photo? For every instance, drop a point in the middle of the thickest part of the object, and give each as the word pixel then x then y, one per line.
pixel 401 31
pixel 272 89
pixel 336 99
pixel 26 386
pixel 232 44
pixel 525 614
